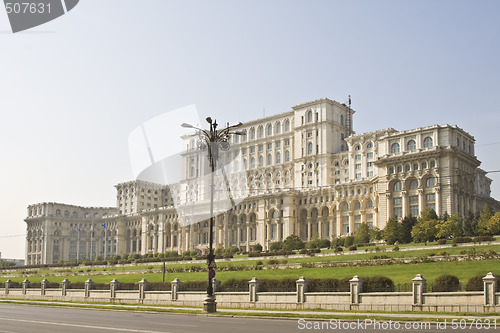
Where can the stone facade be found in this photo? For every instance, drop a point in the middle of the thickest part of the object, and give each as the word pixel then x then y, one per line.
pixel 300 172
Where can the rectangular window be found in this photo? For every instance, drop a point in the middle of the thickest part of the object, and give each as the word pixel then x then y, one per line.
pixel 414 199
pixel 369 164
pixel 287 142
pixel 357 217
pixel 345 228
pixel 369 155
pixel 370 174
pixel 278 144
pixel 269 146
pixel 358 176
pixel 345 218
pixel 358 157
pixel 431 197
pixel 274 228
pixel 369 217
pixel 309 134
pixel 244 151
pixel 398 201
pixel 358 166
pixel 261 147
pixel 414 210
pixel 252 149
pixel 398 212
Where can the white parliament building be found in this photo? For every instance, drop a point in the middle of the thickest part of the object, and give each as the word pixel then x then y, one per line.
pixel 301 172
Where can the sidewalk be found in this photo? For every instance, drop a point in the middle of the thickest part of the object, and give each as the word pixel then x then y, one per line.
pixel 254 312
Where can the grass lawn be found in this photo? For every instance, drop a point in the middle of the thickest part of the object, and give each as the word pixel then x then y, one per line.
pixel 400 273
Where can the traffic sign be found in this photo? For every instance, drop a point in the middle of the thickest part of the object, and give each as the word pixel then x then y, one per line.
pixel 211 273
pixel 212 264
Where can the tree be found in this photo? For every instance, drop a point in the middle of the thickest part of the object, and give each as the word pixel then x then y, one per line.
pixel 362 234
pixel 406 225
pixel 376 233
pixel 484 218
pixel 470 224
pixel 293 242
pixel 276 246
pixel 425 231
pixel 427 214
pixel 494 224
pixel 392 231
pixel 450 227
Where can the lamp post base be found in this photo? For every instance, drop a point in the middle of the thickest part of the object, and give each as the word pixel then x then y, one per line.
pixel 209 305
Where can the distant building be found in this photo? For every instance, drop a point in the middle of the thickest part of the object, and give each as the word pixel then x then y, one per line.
pixel 301 172
pixel 17 262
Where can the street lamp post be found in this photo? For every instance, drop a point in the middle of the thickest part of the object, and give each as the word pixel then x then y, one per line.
pixel 212 141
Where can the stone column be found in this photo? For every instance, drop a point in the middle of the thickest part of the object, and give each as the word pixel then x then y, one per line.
pixel 356 287
pixel 26 285
pixel 144 235
pixel 65 284
pixel 114 285
pixel 176 286
pixel 418 288
pixel 89 285
pixel 389 211
pixel 253 286
pixel 404 199
pixel 351 222
pixel 340 224
pixel 330 236
pixel 301 284
pixel 143 286
pixel 248 237
pixel 44 285
pixel 309 236
pixel 320 228
pixel 8 285
pixel 490 288
pixel 438 201
pixel 420 200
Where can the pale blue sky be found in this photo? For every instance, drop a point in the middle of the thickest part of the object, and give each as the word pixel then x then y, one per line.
pixel 72 90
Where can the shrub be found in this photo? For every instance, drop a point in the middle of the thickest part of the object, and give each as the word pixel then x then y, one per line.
pixel 322 285
pixel 277 285
pixel 194 285
pixel 234 285
pixel 480 239
pixel 276 246
pixel 338 249
pixel 442 241
pixel 273 262
pixel 462 240
pixel 257 248
pixel 475 283
pixel 349 240
pixel 158 286
pixel 293 242
pixel 353 248
pixel 446 283
pixel 377 284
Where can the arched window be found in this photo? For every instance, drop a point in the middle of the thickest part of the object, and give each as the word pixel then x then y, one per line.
pixel 397 186
pixel 269 130
pixel 245 164
pixel 278 128
pixel 309 148
pixel 431 181
pixel 66 213
pixel 369 204
pixel 345 207
pixel 269 159
pixel 428 142
pixel 395 148
pixel 357 205
pixel 309 116
pixel 411 145
pixel 252 134
pixel 341 120
pixel 357 147
pixel 287 156
pixel 261 132
pixel 252 163
pixel 261 161
pixel 75 214
pixel 58 212
pixel 278 157
pixel 413 184
pixel 287 125
pixel 369 145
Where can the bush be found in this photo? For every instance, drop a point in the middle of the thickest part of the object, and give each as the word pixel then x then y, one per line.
pixel 288 285
pixel 445 283
pixel 475 283
pixel 257 248
pixel 338 249
pixel 349 240
pixel 233 285
pixel 353 248
pixel 462 240
pixel 480 239
pixel 323 285
pixel 276 246
pixel 293 242
pixel 377 284
pixel 442 241
pixel 159 286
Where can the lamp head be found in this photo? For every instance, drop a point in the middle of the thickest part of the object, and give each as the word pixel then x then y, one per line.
pixel 209 120
pixel 186 125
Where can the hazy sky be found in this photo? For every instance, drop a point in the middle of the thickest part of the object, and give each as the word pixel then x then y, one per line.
pixel 72 90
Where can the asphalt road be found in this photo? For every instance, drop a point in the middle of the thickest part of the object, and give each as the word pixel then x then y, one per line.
pixel 16 318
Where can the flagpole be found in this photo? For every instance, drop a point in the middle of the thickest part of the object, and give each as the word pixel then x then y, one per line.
pixel 78 246
pixel 91 239
pixel 105 238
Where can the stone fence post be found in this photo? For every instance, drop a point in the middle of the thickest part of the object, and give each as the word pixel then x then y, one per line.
pixel 113 286
pixel 8 285
pixel 65 284
pixel 253 286
pixel 356 287
pixel 301 284
pixel 490 288
pixel 418 288
pixel 44 285
pixel 26 285
pixel 176 286
pixel 215 285
pixel 143 286
pixel 89 285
